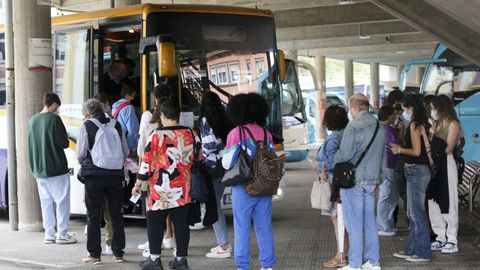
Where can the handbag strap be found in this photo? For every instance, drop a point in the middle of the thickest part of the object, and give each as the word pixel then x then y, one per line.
pixel 257 145
pixel 427 146
pixel 369 145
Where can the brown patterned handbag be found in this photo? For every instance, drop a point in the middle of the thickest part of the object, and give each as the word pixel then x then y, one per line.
pixel 267 169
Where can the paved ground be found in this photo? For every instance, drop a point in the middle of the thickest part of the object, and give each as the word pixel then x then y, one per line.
pixel 303 240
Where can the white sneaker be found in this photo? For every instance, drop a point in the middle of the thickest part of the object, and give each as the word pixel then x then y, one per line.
pixel 108 250
pixel 369 266
pixel 219 253
pixel 49 240
pixel 383 233
pixel 66 239
pixel 143 245
pixel 348 267
pixel 415 258
pixel 146 253
pixel 401 255
pixel 437 245
pixel 449 248
pixel 168 243
pixel 197 226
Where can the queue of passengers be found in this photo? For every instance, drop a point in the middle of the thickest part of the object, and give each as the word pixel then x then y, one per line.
pixel 166 152
pixel 413 156
pixel 418 144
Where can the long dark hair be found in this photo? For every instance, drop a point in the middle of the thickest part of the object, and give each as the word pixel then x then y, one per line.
pixel 213 110
pixel 445 110
pixel 419 116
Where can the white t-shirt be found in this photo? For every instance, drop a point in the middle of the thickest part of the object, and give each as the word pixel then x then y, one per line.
pixel 144 121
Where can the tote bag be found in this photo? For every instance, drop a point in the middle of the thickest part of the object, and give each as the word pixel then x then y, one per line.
pixel 321 192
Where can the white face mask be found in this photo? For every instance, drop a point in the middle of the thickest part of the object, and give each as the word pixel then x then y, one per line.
pixel 407 116
pixel 434 115
pixel 350 116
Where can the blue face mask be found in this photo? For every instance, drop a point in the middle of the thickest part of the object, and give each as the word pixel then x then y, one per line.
pixel 407 116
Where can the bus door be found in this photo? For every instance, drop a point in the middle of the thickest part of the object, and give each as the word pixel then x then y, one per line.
pixel 119 64
pixel 119 61
pixel 72 77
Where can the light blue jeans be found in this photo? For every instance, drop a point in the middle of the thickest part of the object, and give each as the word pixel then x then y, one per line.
pixel 359 216
pixel 387 201
pixel 54 193
pixel 220 227
pixel 418 241
pixel 259 208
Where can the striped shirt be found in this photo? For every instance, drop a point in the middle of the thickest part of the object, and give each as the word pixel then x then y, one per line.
pixel 212 146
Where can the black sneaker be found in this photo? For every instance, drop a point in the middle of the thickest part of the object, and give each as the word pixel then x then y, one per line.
pixel 176 264
pixel 150 264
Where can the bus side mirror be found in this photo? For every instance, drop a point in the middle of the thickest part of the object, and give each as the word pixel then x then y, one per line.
pixel 281 65
pixel 166 56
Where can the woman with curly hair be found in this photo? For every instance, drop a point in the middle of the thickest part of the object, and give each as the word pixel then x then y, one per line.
pixel 249 111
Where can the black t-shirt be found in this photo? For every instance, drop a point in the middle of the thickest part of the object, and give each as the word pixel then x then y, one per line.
pixel 423 158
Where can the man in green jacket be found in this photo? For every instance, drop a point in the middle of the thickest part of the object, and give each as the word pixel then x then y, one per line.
pixel 47 138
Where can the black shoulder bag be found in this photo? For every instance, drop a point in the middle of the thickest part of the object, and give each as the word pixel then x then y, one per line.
pixel 344 172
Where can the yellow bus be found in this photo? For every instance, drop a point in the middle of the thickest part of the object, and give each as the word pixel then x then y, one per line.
pixel 193 49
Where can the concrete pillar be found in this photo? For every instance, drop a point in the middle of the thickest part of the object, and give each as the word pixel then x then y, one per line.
pixel 420 73
pixel 348 79
pixel 320 70
pixel 30 21
pixel 374 85
pixel 399 72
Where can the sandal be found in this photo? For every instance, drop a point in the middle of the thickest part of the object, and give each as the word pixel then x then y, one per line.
pixel 335 262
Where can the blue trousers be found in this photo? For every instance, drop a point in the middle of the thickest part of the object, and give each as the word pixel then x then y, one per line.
pixel 259 208
pixel 220 227
pixel 387 201
pixel 418 242
pixel 359 215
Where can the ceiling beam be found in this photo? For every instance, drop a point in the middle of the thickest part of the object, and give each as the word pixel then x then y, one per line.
pixel 349 30
pixel 344 14
pixel 383 55
pixel 431 20
pixel 84 5
pixel 383 48
pixel 351 41
pixel 275 5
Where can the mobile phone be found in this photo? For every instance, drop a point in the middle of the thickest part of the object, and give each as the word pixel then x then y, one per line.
pixel 134 198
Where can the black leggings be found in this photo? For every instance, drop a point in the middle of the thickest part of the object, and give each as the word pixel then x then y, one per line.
pixel 156 226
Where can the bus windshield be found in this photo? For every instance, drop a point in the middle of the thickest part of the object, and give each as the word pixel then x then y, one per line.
pixel 439 80
pixel 224 53
pixel 228 73
pixel 449 80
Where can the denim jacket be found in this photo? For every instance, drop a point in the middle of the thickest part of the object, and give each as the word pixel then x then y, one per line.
pixel 356 137
pixel 327 152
